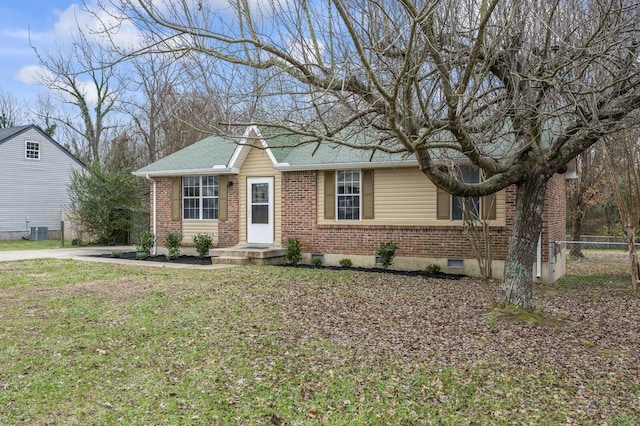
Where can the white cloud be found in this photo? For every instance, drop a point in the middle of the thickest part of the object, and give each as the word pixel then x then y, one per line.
pixel 35 74
pixel 98 24
pixel 32 74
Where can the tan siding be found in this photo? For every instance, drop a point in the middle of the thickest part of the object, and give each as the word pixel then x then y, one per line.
pixel 258 164
pixel 404 197
pixel 194 227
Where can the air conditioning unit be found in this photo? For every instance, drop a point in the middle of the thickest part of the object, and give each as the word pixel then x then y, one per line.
pixel 39 233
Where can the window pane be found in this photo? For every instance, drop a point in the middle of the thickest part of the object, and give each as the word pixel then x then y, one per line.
pixel 260 213
pixel 461 206
pixel 260 193
pixel 209 186
pixel 209 208
pixel 191 208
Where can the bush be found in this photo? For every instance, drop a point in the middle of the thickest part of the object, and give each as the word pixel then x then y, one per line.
pixel 203 243
pixel 172 243
pixel 346 262
pixel 145 243
pixel 293 251
pixel 316 261
pixel 387 252
pixel 105 202
pixel 433 268
pixel 116 254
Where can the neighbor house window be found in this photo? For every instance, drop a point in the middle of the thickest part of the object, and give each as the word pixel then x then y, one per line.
pixel 348 194
pixel 32 150
pixel 470 206
pixel 200 197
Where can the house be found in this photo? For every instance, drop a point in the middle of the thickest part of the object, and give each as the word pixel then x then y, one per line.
pixel 339 202
pixel 34 175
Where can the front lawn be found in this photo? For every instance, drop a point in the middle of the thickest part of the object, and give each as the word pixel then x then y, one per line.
pixel 100 343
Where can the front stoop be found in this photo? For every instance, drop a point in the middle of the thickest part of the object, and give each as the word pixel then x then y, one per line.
pixel 248 255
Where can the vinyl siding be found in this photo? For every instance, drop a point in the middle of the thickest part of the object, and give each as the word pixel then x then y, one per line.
pixel 194 227
pixel 258 164
pixel 403 196
pixel 33 189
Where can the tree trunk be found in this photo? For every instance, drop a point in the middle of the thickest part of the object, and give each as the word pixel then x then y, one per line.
pixel 633 256
pixel 517 284
pixel 576 232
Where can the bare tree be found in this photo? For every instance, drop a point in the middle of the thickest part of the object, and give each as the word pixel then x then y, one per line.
pixel 622 164
pixel 517 88
pixel 584 192
pixel 77 76
pixel 11 112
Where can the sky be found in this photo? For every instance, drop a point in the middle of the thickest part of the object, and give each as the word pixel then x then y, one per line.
pixel 43 21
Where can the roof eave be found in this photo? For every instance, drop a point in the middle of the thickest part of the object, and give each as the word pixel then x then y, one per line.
pixel 286 167
pixel 215 170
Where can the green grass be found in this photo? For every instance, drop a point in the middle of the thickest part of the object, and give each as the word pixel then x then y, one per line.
pixel 107 344
pixel 7 245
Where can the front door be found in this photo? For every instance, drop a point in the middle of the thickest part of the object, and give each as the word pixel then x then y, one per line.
pixel 260 210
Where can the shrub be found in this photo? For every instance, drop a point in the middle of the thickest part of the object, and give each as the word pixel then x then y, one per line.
pixel 105 202
pixel 387 252
pixel 293 251
pixel 346 262
pixel 172 243
pixel 145 243
pixel 203 243
pixel 316 261
pixel 433 268
pixel 116 254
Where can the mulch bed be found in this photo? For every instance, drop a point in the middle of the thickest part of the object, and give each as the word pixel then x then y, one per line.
pixel 440 275
pixel 183 259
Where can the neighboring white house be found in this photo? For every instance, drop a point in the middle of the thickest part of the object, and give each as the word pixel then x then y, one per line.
pixel 34 174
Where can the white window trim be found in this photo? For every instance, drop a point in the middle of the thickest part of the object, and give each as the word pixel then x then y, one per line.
pixel 38 151
pixel 200 198
pixel 359 219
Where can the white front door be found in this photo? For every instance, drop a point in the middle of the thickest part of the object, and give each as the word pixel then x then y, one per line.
pixel 260 210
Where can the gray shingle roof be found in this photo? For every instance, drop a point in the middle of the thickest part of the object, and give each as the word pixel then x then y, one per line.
pixel 288 151
pixel 205 154
pixel 11 131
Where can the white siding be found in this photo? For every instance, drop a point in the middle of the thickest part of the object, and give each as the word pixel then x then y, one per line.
pixel 33 190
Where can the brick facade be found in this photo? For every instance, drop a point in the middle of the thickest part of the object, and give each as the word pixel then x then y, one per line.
pixel 299 201
pixel 164 224
pixel 555 213
pixel 299 194
pixel 228 230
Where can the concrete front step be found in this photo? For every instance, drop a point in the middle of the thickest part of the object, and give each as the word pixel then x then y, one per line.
pixel 247 255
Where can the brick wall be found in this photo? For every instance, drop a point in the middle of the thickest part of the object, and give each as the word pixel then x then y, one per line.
pixel 555 213
pixel 299 221
pixel 228 230
pixel 164 223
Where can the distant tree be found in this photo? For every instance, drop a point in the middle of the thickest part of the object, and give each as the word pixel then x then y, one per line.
pixel 77 77
pixel 11 112
pixel 623 166
pixel 105 202
pixel 584 192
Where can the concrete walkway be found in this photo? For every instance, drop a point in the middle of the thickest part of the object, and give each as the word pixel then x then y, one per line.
pixel 85 254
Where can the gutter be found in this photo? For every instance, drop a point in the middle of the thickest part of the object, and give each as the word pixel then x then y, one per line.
pixel 154 215
pixel 216 170
pixel 286 167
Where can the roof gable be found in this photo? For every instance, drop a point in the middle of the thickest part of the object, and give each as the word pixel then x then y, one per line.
pixel 12 132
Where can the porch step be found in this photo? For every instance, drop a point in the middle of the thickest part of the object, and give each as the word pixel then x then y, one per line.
pixel 248 255
pixel 231 260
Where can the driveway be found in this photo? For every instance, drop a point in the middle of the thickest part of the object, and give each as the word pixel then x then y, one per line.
pixel 86 254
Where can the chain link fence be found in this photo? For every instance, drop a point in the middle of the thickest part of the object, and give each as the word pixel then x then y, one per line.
pixel 596 260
